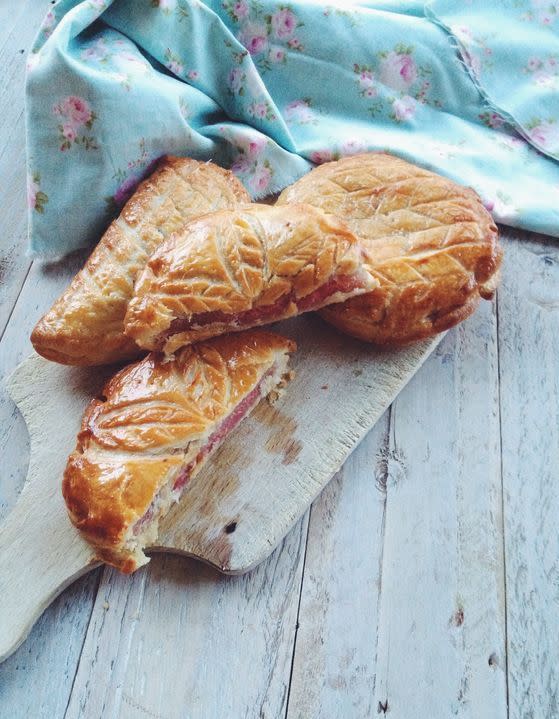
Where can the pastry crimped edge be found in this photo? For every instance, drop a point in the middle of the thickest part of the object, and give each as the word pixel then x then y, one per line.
pixel 242 260
pixel 65 333
pixel 397 313
pixel 118 470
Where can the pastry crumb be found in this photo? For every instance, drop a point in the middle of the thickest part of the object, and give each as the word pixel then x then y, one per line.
pixel 285 378
pixel 276 393
pixel 105 605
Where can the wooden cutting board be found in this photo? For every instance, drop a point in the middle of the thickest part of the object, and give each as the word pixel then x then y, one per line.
pixel 233 514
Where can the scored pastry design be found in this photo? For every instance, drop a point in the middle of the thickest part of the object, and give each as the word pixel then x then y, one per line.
pixel 430 245
pixel 85 326
pixel 154 429
pixel 240 268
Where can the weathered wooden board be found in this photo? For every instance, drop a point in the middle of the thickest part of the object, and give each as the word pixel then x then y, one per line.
pixel 39 680
pixel 528 311
pixel 43 285
pixel 259 482
pixel 334 662
pixel 241 623
pixel 19 22
pixel 441 636
pixel 402 606
pixel 188 643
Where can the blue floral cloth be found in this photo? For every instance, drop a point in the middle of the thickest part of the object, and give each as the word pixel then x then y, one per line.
pixel 467 88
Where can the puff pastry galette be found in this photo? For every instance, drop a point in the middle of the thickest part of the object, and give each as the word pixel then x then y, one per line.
pixel 154 429
pixel 85 326
pixel 430 245
pixel 241 268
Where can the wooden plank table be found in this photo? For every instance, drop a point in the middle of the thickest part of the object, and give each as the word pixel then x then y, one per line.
pixel 424 581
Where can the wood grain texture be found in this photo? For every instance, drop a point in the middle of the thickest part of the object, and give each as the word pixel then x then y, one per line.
pixel 283 455
pixel 335 653
pixel 238 508
pixel 43 284
pixel 46 661
pixel 50 658
pixel 412 622
pixel 528 307
pixel 222 635
pixel 19 23
pixel 38 555
pixel 184 641
pixel 441 645
pixel 37 680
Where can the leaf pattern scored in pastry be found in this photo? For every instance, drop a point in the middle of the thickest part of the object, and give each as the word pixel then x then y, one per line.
pixel 430 244
pixel 85 326
pixel 234 266
pixel 154 424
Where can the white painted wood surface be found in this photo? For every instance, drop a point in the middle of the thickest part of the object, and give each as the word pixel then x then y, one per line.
pixel 224 648
pixel 335 653
pixel 19 22
pixel 528 311
pixel 425 589
pixel 444 652
pixel 260 481
pixel 357 613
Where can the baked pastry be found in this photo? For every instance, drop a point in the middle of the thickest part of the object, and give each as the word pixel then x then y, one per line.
pixel 241 268
pixel 430 244
pixel 158 423
pixel 85 326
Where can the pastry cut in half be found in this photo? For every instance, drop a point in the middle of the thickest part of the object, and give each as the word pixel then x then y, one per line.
pixel 159 421
pixel 85 326
pixel 241 268
pixel 430 245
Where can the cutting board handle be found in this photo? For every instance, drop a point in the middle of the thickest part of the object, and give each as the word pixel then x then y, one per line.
pixel 41 552
pixel 40 555
pixel 259 486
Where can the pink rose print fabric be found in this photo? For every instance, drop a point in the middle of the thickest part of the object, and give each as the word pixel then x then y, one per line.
pixel 268 37
pixel 76 119
pixel 300 112
pixel 399 80
pixel 36 198
pixel 270 88
pixel 516 66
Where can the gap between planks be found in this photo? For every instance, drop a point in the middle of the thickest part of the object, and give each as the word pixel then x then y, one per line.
pixel 21 23
pixel 503 529
pixel 296 631
pixel 529 348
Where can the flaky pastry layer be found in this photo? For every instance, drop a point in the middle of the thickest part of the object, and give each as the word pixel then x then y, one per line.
pixel 155 427
pixel 85 326
pixel 430 245
pixel 241 268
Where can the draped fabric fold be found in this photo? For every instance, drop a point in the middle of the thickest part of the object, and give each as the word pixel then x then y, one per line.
pixel 268 89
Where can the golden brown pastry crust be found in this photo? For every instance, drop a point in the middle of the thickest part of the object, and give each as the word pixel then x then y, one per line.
pixel 85 326
pixel 249 259
pixel 430 244
pixel 135 437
